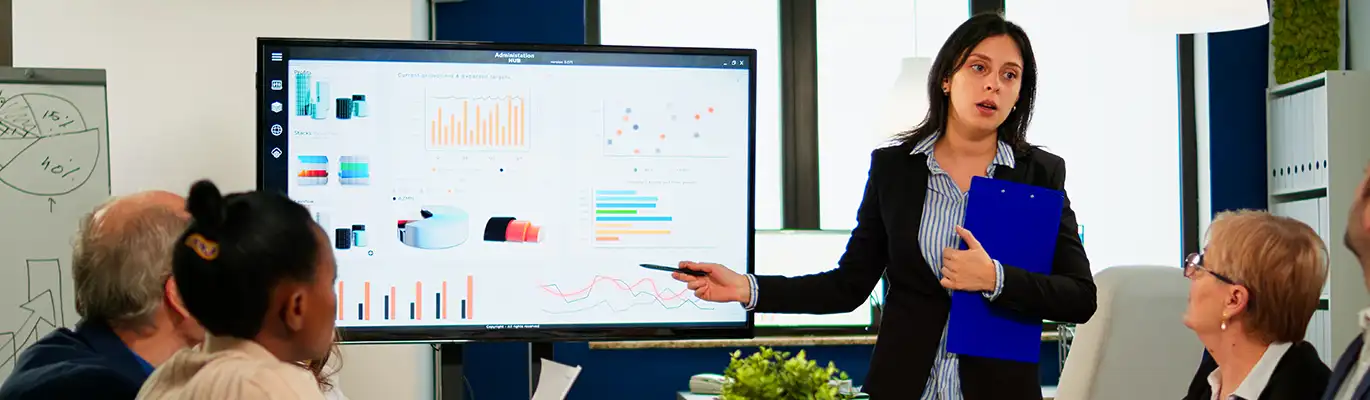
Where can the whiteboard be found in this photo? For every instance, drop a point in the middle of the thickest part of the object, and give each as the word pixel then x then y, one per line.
pixel 54 168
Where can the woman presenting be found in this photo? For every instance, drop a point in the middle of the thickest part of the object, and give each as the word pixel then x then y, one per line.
pixel 981 91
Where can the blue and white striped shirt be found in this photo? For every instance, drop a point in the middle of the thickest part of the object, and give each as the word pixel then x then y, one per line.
pixel 943 210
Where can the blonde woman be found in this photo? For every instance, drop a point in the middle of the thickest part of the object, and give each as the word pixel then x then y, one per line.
pixel 1251 293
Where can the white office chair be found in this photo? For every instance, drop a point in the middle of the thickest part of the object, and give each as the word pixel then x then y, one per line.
pixel 1136 346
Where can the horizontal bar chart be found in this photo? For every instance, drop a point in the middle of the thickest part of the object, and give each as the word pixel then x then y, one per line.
pixel 626 198
pixel 645 218
pixel 625 217
pixel 603 206
pixel 615 192
pixel 633 232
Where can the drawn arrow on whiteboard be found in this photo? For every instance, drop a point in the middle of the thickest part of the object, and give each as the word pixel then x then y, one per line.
pixel 42 310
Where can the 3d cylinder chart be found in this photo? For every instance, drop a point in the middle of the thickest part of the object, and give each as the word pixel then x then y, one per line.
pixel 442 227
pixel 510 229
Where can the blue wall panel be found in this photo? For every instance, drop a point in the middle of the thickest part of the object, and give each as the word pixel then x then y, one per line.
pixel 512 21
pixel 1237 79
pixel 497 371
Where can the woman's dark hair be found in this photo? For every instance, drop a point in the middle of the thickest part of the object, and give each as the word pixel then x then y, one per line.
pixel 950 59
pixel 316 367
pixel 236 251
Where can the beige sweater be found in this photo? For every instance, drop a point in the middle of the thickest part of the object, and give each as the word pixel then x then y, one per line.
pixel 229 369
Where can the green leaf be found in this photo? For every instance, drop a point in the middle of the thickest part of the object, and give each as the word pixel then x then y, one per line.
pixel 769 374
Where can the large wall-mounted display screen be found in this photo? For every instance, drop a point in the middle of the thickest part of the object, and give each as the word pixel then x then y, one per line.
pixel 476 191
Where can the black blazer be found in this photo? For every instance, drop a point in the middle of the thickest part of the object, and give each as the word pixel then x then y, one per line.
pixel 1345 365
pixel 885 241
pixel 1300 375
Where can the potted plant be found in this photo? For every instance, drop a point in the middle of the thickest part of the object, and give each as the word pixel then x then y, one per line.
pixel 773 375
pixel 1305 38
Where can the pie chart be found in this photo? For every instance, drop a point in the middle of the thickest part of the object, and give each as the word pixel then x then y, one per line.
pixel 46 149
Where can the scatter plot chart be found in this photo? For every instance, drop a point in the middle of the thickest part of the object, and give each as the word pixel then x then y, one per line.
pixel 666 130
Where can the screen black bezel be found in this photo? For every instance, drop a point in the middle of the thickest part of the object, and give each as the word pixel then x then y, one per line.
pixel 550 334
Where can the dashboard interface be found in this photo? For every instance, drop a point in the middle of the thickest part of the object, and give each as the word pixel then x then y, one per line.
pixel 499 189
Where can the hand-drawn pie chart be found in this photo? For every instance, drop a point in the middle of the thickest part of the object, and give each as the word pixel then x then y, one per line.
pixel 46 149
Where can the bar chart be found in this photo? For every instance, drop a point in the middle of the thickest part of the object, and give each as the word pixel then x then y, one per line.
pixel 413 302
pixel 497 123
pixel 632 219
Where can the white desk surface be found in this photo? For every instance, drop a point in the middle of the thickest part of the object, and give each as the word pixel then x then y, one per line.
pixel 1048 393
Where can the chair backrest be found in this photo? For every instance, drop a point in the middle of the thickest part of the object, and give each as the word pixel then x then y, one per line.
pixel 1136 346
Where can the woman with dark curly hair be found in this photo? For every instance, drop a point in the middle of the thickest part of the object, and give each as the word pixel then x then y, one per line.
pixel 258 274
pixel 325 374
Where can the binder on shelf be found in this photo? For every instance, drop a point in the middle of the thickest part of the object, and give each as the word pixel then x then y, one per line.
pixel 1301 135
pixel 1308 112
pixel 1320 137
pixel 1279 114
pixel 1291 143
pixel 1286 124
pixel 1017 224
pixel 1297 139
pixel 1269 141
pixel 1325 231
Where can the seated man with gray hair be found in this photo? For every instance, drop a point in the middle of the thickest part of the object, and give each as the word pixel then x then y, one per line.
pixel 132 317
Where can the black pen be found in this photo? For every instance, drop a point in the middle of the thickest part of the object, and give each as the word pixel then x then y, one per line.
pixel 670 269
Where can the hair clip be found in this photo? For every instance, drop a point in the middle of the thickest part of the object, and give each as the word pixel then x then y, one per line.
pixel 205 248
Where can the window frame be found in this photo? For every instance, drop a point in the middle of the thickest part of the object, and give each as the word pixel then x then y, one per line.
pixel 799 119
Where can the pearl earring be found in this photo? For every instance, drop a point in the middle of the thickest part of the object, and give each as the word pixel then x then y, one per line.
pixel 1224 324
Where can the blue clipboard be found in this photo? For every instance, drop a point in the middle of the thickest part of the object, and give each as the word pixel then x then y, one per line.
pixel 1017 224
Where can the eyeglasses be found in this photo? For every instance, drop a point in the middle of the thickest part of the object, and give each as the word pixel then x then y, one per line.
pixel 1195 262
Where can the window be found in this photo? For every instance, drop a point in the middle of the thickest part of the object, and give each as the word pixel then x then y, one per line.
pixel 862 51
pixel 797 253
pixel 752 24
pixel 1108 103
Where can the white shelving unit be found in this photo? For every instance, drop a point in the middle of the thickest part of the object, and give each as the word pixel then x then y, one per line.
pixel 1317 148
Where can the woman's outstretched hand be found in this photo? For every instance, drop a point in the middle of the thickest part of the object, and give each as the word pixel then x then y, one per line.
pixel 719 284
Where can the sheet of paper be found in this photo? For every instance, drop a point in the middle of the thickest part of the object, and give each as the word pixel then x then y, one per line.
pixel 555 380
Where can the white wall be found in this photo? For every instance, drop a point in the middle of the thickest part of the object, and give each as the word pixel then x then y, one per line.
pixel 1112 165
pixel 1202 123
pixel 181 72
pixel 181 104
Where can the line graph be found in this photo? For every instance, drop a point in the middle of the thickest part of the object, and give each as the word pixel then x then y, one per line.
pixel 617 295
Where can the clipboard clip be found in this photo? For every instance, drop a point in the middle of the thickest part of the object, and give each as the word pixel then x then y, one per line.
pixel 1030 195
